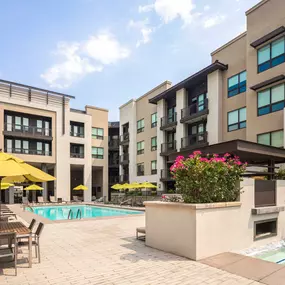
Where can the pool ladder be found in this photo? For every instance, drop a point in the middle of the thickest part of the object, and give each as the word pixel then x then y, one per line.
pixel 78 215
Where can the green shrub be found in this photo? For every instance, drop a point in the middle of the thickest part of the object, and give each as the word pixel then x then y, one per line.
pixel 280 173
pixel 207 179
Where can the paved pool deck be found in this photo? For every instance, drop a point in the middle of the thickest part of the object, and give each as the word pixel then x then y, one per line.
pixel 105 251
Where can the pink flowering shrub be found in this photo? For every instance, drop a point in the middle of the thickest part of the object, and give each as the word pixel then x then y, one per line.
pixel 208 179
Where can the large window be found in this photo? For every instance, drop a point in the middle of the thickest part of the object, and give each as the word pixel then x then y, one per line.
pixel 270 100
pixel 98 133
pixel 140 169
pixel 274 138
pixel 98 152
pixel 140 147
pixel 237 84
pixel 237 119
pixel 76 129
pixel 271 55
pixel 140 126
pixel 154 120
pixel 153 143
pixel 153 167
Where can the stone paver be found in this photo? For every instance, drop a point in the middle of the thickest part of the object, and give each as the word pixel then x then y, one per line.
pixel 106 252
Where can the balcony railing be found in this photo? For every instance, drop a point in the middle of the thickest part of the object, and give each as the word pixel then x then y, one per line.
pixel 113 143
pixel 154 171
pixel 27 130
pixel 165 175
pixel 168 147
pixel 114 162
pixel 194 140
pixel 124 138
pixel 194 110
pixel 168 121
pixel 76 155
pixel 28 151
pixel 140 173
pixel 76 134
pixel 124 158
pixel 124 178
pixel 114 179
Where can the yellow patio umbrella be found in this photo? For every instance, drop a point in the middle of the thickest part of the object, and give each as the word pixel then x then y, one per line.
pixel 148 185
pixel 5 186
pixel 116 187
pixel 136 185
pixel 80 187
pixel 123 186
pixel 33 187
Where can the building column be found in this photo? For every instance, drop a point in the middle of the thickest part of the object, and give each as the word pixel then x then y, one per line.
pixel 62 182
pixel 133 144
pixel 181 99
pixel 87 181
pixel 11 194
pixel 215 93
pixel 44 184
pixel 161 164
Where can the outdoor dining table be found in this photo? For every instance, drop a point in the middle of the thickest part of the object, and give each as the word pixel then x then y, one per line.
pixel 21 230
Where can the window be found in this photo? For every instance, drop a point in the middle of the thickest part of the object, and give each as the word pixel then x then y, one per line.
pixel 270 100
pixel 154 120
pixel 25 147
pixel 140 169
pixel 272 138
pixel 25 124
pixel 39 126
pixel 18 123
pixel 98 152
pixel 140 126
pixel 153 167
pixel 140 147
pixel 271 55
pixel 47 149
pixel 76 129
pixel 237 119
pixel 97 133
pixel 237 84
pixel 39 148
pixel 9 123
pixel 171 115
pixel 153 143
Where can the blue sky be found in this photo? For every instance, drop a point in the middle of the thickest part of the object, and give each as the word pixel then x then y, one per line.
pixel 106 52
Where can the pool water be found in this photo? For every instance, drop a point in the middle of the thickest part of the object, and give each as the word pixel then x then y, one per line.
pixel 276 256
pixel 56 213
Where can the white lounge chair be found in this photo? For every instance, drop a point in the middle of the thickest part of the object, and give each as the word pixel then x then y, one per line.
pixel 52 199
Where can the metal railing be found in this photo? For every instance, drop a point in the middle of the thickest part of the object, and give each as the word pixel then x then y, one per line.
pixel 124 137
pixel 165 174
pixel 114 162
pixel 76 134
pixel 70 215
pixel 124 178
pixel 29 130
pixel 28 151
pixel 114 179
pixel 140 173
pixel 194 109
pixel 79 214
pixel 124 158
pixel 168 120
pixel 76 155
pixel 168 147
pixel 113 143
pixel 194 140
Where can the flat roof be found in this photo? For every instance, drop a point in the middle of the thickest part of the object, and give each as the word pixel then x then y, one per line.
pixel 200 75
pixel 35 88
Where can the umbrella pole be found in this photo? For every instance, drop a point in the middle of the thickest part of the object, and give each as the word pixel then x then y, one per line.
pixel 0 198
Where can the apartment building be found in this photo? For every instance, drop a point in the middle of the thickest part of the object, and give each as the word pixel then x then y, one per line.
pixel 138 138
pixel 39 127
pixel 240 95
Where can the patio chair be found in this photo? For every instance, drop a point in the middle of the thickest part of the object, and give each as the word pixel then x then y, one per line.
pixel 8 215
pixel 9 248
pixel 35 242
pixel 52 199
pixel 76 199
pixel 100 200
pixel 25 201
pixel 40 199
pixel 140 231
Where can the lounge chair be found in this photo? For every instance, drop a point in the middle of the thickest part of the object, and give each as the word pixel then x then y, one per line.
pixel 35 241
pixel 100 200
pixel 8 215
pixel 76 199
pixel 9 248
pixel 141 231
pixel 40 199
pixel 52 199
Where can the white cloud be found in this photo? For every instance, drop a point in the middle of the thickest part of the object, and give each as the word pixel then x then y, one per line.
pixel 206 8
pixel 81 59
pixel 169 10
pixel 213 21
pixel 144 30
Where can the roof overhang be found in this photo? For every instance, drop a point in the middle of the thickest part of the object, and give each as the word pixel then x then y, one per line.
pixel 268 82
pixel 250 152
pixel 197 77
pixel 268 37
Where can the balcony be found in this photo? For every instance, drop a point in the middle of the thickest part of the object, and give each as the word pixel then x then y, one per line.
pixel 124 159
pixel 168 148
pixel 28 151
pixel 165 175
pixel 76 134
pixel 124 139
pixel 114 179
pixel 76 155
pixel 113 144
pixel 16 130
pixel 124 178
pixel 140 173
pixel 113 163
pixel 194 141
pixel 168 122
pixel 195 112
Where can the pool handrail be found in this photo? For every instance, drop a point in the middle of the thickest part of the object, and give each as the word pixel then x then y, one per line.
pixel 79 212
pixel 70 215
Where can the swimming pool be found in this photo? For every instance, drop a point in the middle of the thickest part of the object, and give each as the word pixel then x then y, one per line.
pixel 56 213
pixel 276 256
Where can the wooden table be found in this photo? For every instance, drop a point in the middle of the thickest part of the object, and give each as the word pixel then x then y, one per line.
pixel 21 230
